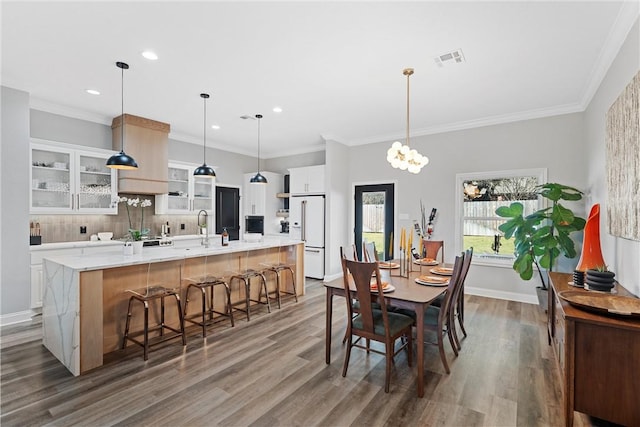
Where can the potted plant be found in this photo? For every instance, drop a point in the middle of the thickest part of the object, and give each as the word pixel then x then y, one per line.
pixel 543 235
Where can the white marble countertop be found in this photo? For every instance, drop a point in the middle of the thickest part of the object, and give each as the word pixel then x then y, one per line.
pixel 103 243
pixel 116 258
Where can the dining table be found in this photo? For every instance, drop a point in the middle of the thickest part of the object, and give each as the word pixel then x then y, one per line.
pixel 407 293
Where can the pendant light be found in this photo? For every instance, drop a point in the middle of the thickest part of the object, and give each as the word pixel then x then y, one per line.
pixel 402 156
pixel 204 170
pixel 258 178
pixel 122 160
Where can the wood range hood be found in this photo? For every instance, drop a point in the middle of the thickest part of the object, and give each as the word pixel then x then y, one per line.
pixel 147 141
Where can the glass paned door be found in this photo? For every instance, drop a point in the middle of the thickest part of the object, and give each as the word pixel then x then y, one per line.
pixel 178 198
pixel 203 193
pixel 50 180
pixel 95 183
pixel 374 213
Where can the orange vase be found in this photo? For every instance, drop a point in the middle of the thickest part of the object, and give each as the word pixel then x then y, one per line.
pixel 591 256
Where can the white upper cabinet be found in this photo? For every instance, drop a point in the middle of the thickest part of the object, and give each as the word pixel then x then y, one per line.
pixel 71 179
pixel 187 193
pixel 307 180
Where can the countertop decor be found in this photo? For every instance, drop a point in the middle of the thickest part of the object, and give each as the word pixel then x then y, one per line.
pixel 136 233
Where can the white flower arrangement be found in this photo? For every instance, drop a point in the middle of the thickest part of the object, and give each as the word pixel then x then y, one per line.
pixel 136 234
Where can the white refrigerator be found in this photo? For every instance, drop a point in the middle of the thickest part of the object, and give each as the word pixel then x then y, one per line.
pixel 306 223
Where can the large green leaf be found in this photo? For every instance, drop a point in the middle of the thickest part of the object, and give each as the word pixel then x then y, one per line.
pixel 510 227
pixel 561 215
pixel 523 265
pixel 566 245
pixel 512 211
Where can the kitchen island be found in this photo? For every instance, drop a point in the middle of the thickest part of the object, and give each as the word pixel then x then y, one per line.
pixel 85 296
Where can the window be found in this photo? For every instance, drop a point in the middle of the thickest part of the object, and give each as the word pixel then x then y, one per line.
pixel 478 196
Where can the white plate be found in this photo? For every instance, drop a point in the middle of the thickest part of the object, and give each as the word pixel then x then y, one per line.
pixel 425 283
pixel 423 262
pixel 442 271
pixel 389 288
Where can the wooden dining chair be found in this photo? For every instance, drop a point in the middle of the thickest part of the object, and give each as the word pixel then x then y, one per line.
pixel 369 251
pixel 431 248
pixel 370 323
pixel 457 301
pixel 438 319
pixel 457 304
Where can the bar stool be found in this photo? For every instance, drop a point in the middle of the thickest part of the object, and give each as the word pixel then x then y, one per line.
pixel 144 296
pixel 244 275
pixel 278 267
pixel 204 285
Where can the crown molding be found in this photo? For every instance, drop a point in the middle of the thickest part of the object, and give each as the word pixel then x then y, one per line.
pixel 476 123
pixel 627 16
pixel 63 110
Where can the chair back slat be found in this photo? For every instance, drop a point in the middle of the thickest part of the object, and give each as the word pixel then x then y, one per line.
pixel 369 251
pixel 454 282
pixel 360 274
pixel 432 248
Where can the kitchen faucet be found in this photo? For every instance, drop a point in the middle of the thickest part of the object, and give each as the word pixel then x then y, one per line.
pixel 205 240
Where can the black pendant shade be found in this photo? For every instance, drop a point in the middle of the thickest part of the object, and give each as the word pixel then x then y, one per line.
pixel 122 160
pixel 258 178
pixel 204 170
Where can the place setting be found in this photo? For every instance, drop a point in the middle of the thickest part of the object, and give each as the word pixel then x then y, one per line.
pixel 442 271
pixel 386 286
pixel 432 280
pixel 426 261
pixel 388 265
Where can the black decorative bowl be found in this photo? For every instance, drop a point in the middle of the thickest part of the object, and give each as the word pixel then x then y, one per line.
pixel 600 280
pixel 578 278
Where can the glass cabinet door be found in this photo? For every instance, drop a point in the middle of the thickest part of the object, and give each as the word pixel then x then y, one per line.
pixel 96 183
pixel 50 180
pixel 203 193
pixel 178 198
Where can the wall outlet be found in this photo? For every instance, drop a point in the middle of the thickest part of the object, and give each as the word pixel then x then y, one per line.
pixel 83 229
pixel 182 227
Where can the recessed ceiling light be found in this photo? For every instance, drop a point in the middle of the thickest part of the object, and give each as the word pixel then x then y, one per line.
pixel 216 127
pixel 277 110
pixel 93 92
pixel 150 55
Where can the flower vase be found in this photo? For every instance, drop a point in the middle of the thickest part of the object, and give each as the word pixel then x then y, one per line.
pixel 591 256
pixel 137 247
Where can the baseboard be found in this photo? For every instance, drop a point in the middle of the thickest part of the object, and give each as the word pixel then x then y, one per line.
pixel 18 317
pixel 509 296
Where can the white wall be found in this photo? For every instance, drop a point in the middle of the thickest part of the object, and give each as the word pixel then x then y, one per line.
pixel 554 143
pixel 15 275
pixel 282 164
pixel 621 255
pixel 338 213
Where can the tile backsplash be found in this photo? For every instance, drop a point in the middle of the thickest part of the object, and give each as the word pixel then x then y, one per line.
pixel 66 228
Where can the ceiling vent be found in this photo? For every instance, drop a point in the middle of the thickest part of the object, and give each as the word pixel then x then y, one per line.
pixel 449 58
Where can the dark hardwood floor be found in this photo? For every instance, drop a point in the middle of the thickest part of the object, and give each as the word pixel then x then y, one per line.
pixel 271 371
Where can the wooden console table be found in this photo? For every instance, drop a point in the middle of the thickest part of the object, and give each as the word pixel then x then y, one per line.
pixel 598 357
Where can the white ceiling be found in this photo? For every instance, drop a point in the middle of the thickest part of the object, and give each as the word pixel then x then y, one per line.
pixel 335 68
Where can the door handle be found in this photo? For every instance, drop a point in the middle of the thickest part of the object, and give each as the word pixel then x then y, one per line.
pixel 317 251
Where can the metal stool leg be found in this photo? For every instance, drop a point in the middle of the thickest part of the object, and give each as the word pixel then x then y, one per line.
pixel 181 317
pixel 146 330
pixel 126 329
pixel 229 307
pixel 266 292
pixel 293 283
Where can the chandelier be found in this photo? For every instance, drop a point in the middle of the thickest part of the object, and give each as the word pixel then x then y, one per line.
pixel 402 156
